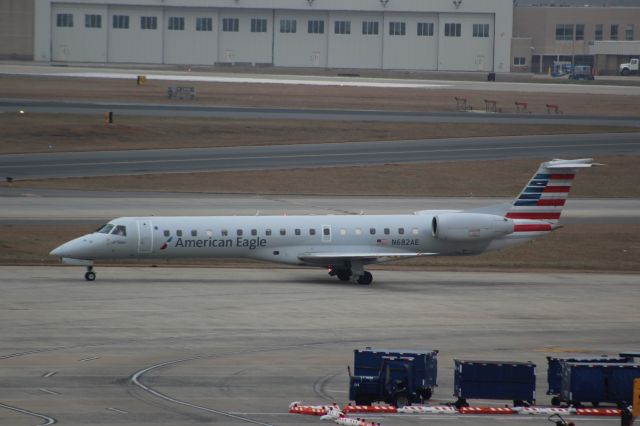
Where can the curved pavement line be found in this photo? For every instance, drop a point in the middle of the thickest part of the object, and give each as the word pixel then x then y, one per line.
pixel 47 420
pixel 136 380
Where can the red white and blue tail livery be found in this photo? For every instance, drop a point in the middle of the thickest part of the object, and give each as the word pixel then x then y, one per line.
pixel 344 244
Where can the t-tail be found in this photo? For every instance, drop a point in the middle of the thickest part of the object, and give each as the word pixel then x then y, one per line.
pixel 539 206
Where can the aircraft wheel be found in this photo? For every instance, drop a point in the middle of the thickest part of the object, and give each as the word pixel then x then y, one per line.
pixel 344 274
pixel 90 276
pixel 366 278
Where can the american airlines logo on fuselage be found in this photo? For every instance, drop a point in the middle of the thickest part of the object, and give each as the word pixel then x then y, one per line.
pixel 250 243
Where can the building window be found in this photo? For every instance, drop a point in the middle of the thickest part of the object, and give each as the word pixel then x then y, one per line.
pixel 230 25
pixel 315 27
pixel 579 31
pixel 176 23
pixel 288 26
pixel 629 32
pixel 452 30
pixel 370 27
pixel 425 29
pixel 93 21
pixel 204 24
pixel 599 32
pixel 564 32
pixel 519 60
pixel 614 32
pixel 258 25
pixel 148 23
pixel 481 30
pixel 397 28
pixel 342 27
pixel 121 21
pixel 64 20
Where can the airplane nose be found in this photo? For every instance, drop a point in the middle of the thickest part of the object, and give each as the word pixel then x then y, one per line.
pixel 74 248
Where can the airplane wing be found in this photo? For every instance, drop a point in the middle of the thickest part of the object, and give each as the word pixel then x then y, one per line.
pixel 364 257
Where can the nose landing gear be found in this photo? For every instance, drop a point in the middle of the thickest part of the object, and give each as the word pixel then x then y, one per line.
pixel 90 275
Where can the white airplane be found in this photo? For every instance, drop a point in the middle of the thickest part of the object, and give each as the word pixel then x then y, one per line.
pixel 342 243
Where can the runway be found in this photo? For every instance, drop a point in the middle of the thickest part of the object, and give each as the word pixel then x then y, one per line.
pixel 23 206
pixel 102 163
pixel 249 113
pixel 235 346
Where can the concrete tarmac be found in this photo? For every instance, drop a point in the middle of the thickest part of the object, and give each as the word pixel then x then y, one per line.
pixel 234 346
pixel 23 205
pixel 127 162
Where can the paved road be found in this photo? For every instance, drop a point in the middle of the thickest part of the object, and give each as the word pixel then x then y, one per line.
pixel 68 164
pixel 46 206
pixel 247 342
pixel 173 110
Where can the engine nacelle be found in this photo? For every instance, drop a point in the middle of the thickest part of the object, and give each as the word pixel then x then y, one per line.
pixel 470 226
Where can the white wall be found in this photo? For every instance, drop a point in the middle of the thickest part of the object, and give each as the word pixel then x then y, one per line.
pixel 78 43
pixel 300 49
pixel 245 46
pixel 466 53
pixel 135 44
pixel 356 50
pixel 411 52
pixel 189 46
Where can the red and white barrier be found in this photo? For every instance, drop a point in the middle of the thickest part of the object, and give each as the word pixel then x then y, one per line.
pixel 424 409
pixel 312 410
pixel 347 421
pixel 610 412
pixel 369 409
pixel 486 410
pixel 544 411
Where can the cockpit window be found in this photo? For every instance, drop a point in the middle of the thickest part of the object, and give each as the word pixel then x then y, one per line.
pixel 120 230
pixel 105 229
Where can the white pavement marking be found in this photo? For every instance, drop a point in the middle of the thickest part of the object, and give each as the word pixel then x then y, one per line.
pixel 316 81
pixel 47 420
pixel 117 411
pixel 89 359
pixel 50 392
pixel 50 373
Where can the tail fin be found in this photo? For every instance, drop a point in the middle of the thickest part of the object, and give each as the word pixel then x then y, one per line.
pixel 543 197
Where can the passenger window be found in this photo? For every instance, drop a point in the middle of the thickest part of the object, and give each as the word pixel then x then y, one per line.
pixel 239 232
pixel 312 231
pixel 343 231
pixel 283 231
pixel 358 231
pixel 209 233
pixel 267 232
pixel 179 233
pixel 297 231
pixel 224 233
pixel 372 231
pixel 326 231
pixel 120 231
pixel 415 231
pixel 105 229
pixel 254 232
pixel 401 231
pixel 166 233
pixel 194 233
pixel 387 231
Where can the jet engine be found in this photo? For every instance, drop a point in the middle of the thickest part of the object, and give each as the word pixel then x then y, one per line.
pixel 470 226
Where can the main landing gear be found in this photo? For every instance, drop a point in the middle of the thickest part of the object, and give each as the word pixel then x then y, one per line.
pixel 346 274
pixel 90 275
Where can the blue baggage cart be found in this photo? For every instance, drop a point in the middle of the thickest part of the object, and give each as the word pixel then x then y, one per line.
pixel 398 377
pixel 598 383
pixel 515 381
pixel 554 371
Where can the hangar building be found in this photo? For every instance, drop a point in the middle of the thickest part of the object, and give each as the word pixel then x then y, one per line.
pixel 446 35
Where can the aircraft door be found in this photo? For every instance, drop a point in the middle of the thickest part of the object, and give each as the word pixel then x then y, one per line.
pixel 145 236
pixel 326 233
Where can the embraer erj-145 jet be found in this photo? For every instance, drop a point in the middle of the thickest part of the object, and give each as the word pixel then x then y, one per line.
pixel 344 244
